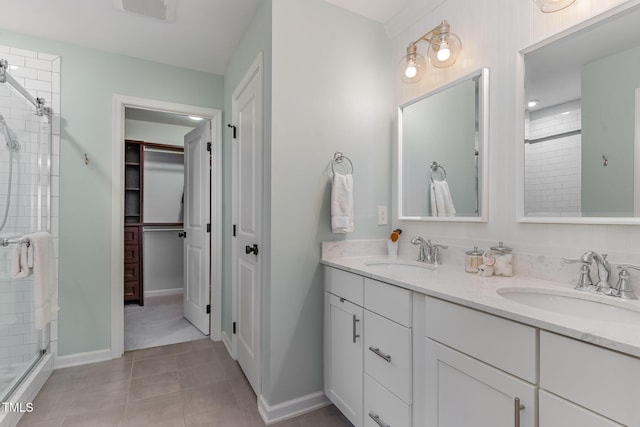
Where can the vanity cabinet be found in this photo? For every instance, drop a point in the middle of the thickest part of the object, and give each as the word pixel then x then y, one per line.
pixel 480 369
pixel 368 349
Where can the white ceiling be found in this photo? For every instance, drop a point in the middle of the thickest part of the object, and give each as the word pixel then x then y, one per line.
pixel 376 10
pixel 203 36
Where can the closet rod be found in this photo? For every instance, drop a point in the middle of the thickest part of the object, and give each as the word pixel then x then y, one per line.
pixel 144 229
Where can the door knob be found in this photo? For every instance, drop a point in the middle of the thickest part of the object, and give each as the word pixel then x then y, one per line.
pixel 182 234
pixel 249 249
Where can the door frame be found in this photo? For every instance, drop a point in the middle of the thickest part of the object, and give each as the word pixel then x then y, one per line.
pixel 120 102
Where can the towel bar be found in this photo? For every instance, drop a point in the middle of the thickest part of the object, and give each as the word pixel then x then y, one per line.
pixel 4 241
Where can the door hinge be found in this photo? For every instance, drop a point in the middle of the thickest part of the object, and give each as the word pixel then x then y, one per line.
pixel 233 128
pixel 234 230
pixel 208 228
pixel 208 146
pixel 234 328
pixel 208 308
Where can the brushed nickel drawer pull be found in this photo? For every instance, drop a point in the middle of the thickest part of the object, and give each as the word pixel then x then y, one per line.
pixel 517 407
pixel 378 420
pixel 377 351
pixel 354 329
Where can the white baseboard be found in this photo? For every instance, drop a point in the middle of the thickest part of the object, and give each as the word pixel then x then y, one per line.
pixel 82 358
pixel 164 292
pixel 227 343
pixel 292 408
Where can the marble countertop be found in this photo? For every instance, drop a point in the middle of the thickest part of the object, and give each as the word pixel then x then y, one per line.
pixel 452 283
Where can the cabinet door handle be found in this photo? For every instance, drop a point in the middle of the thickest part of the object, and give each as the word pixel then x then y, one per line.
pixel 377 351
pixel 517 407
pixel 378 420
pixel 354 329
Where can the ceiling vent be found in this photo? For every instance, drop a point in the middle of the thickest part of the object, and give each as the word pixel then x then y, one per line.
pixel 165 10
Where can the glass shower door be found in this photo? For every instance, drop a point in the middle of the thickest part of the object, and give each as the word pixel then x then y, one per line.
pixel 25 200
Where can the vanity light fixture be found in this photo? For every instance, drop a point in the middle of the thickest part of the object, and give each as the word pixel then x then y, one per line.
pixel 548 6
pixel 444 47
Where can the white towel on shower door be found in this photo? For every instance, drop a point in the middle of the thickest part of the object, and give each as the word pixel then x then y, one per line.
pixel 45 285
pixel 19 262
pixel 342 203
pixel 441 201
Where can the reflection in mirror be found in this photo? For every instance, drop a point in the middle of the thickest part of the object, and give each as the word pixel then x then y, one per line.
pixel 442 153
pixel 582 120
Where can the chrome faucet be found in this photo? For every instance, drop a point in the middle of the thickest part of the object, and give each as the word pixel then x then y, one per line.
pixel 428 252
pixel 604 273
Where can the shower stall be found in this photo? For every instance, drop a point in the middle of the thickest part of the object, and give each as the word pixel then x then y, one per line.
pixel 26 142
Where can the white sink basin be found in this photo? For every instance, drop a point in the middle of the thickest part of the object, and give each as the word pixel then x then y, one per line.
pixel 396 265
pixel 575 303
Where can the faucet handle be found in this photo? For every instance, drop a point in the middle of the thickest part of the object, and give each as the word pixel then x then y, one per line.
pixel 623 288
pixel 573 260
pixel 584 281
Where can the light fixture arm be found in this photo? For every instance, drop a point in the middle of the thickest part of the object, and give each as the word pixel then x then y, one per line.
pixel 441 28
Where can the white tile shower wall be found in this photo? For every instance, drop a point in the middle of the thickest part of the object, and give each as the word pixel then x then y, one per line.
pixel 34 200
pixel 553 168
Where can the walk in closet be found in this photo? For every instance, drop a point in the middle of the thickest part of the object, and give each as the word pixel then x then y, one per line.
pixel 153 216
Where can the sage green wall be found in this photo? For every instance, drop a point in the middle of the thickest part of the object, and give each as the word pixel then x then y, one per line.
pixel 608 126
pixel 89 80
pixel 331 91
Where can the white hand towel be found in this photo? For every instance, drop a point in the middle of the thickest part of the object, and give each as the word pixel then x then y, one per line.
pixel 19 262
pixel 342 203
pixel 45 285
pixel 441 199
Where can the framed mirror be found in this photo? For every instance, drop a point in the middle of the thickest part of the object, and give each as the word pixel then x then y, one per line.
pixel 442 153
pixel 581 146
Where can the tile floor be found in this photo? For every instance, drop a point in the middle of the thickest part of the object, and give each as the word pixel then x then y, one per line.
pixel 188 384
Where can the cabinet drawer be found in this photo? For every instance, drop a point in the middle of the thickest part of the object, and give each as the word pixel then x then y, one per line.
pixel 345 285
pixel 380 402
pixel 131 253
pixel 131 235
pixel 554 411
pixel 389 301
pixel 502 343
pixel 132 272
pixel 131 290
pixel 387 354
pixel 599 379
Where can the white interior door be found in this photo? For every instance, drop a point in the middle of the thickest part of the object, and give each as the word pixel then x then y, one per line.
pixel 247 214
pixel 197 194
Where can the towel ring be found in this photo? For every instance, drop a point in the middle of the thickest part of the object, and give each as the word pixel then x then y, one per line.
pixel 435 167
pixel 338 159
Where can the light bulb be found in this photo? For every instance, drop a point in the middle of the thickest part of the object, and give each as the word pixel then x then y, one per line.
pixel 443 52
pixel 410 71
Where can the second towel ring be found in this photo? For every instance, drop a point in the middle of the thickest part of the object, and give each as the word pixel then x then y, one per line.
pixel 338 159
pixel 435 166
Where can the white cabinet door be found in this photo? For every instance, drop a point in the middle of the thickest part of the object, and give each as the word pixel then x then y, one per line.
pixel 343 331
pixel 461 391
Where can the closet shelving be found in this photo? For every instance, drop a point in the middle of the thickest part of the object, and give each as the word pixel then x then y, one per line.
pixel 134 216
